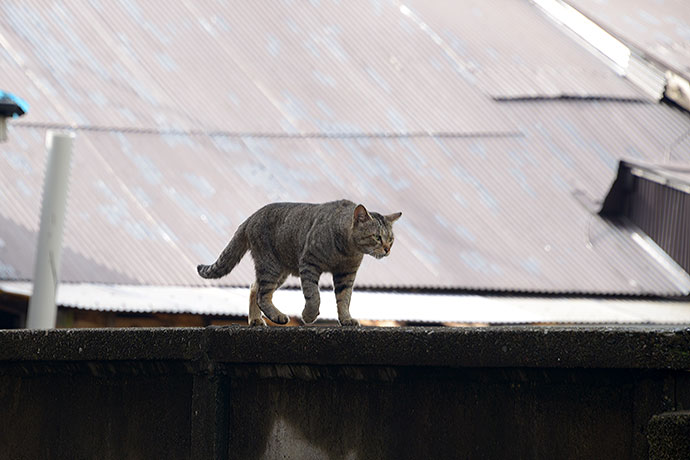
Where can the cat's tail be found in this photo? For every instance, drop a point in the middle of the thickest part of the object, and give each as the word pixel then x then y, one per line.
pixel 231 256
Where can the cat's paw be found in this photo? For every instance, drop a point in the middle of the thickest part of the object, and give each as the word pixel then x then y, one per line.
pixel 309 317
pixel 280 318
pixel 349 322
pixel 257 322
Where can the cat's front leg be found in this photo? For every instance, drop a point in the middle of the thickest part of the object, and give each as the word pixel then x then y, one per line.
pixel 309 277
pixel 342 285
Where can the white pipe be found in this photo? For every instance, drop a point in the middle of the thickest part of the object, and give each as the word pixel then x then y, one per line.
pixel 42 310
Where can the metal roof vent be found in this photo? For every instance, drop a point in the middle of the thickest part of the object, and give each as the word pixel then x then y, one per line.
pixel 656 199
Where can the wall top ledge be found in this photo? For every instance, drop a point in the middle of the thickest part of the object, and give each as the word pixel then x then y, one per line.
pixel 618 347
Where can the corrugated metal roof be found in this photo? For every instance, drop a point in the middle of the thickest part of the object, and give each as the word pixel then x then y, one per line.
pixel 371 306
pixel 513 51
pixel 660 29
pixel 479 212
pixel 168 103
pixel 240 67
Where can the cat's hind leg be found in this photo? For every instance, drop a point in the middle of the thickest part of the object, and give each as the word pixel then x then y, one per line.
pixel 268 279
pixel 255 318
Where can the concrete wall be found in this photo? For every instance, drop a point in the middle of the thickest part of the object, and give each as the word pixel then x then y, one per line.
pixel 344 393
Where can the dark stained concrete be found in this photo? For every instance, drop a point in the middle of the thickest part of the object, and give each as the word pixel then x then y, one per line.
pixel 669 436
pixel 312 392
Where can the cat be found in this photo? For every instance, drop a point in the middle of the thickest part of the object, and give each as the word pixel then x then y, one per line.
pixel 305 240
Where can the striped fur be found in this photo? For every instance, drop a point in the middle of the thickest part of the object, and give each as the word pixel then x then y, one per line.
pixel 231 256
pixel 305 240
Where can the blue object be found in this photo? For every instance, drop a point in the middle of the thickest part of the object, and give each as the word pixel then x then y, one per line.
pixel 11 105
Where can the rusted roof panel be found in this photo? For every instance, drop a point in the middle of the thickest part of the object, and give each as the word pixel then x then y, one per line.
pixel 660 29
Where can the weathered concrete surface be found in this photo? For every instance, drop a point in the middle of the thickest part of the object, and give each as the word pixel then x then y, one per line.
pixel 663 347
pixel 669 436
pixel 309 392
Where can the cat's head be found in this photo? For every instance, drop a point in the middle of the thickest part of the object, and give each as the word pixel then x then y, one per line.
pixel 372 233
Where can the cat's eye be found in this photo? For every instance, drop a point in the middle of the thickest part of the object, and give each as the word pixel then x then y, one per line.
pixel 377 237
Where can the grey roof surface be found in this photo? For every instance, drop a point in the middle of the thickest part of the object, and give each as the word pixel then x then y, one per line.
pixel 191 116
pixel 659 28
pixel 509 50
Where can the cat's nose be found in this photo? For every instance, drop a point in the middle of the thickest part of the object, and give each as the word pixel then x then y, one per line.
pixel 387 248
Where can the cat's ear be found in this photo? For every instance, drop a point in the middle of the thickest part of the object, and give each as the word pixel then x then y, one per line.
pixel 361 214
pixel 393 217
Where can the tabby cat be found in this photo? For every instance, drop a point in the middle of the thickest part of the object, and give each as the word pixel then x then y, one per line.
pixel 305 240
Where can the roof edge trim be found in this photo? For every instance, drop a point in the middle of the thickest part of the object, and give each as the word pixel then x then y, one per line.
pixel 598 38
pixel 572 97
pixel 680 277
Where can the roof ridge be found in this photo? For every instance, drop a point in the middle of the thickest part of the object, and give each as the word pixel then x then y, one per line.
pixel 303 135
